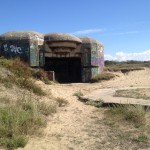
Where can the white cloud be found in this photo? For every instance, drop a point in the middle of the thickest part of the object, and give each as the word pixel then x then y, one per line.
pixel 88 31
pixel 123 33
pixel 122 56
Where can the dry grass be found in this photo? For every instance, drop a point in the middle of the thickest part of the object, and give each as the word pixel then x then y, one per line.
pixel 124 67
pixel 20 120
pixel 122 127
pixel 134 114
pixel 40 74
pixel 21 76
pixel 61 101
pixel 103 76
pixel 129 125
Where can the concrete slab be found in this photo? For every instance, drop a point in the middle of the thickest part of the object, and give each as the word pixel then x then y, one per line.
pixel 106 95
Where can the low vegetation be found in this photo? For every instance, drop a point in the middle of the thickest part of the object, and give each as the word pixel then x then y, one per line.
pixel 140 93
pixel 129 124
pixel 133 114
pixel 125 67
pixel 141 138
pixel 21 74
pixel 97 104
pixel 103 76
pixel 61 102
pixel 78 94
pixel 20 120
pixel 40 74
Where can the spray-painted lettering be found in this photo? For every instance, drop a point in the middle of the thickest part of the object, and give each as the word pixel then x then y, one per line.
pixel 13 48
pixel 5 47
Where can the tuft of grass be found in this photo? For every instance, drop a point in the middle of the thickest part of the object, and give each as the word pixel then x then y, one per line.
pixel 141 138
pixel 46 109
pixel 102 76
pixel 20 120
pixel 16 142
pixel 97 104
pixel 78 94
pixel 30 85
pixel 130 113
pixel 41 75
pixel 61 102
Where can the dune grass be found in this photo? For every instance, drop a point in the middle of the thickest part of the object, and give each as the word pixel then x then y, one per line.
pixel 21 120
pixel 21 76
pixel 129 113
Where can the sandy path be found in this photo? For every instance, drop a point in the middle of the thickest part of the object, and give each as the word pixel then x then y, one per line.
pixel 67 129
pixel 74 126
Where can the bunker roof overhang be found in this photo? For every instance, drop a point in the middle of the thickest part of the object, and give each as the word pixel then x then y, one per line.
pixel 88 40
pixel 21 35
pixel 61 37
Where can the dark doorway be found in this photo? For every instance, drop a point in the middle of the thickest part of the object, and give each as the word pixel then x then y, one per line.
pixel 66 70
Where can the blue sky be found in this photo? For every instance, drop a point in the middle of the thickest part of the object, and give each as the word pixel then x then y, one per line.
pixel 123 26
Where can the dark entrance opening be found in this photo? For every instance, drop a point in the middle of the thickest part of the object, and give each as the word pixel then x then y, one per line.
pixel 67 70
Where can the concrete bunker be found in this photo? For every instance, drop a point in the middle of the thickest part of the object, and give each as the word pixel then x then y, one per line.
pixel 63 56
pixel 92 58
pixel 24 44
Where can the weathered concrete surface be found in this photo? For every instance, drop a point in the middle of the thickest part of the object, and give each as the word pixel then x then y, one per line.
pixel 106 95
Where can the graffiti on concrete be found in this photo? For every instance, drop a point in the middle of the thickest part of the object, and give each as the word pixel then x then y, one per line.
pixel 94 55
pixel 86 74
pixel 94 58
pixel 86 57
pixel 12 48
pixel 34 54
pixel 100 58
pixel 101 64
pixel 95 71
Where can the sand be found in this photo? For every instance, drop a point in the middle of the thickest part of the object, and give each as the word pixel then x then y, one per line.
pixel 73 127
